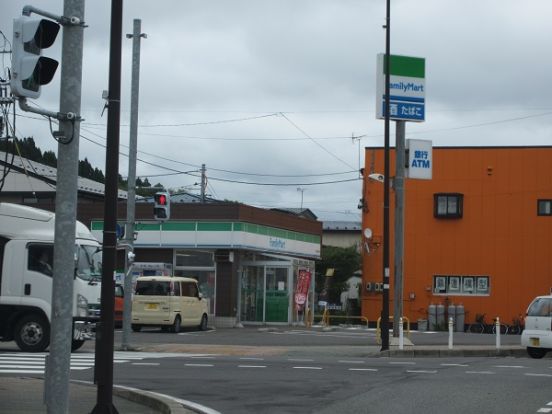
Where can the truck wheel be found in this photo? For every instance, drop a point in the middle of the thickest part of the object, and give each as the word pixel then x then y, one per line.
pixel 136 328
pixel 203 324
pixel 76 344
pixel 176 324
pixel 32 333
pixel 537 353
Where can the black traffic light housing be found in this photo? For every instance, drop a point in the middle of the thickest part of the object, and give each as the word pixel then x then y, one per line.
pixel 162 206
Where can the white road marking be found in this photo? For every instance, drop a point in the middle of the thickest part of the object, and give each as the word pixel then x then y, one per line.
pixel 544 410
pixel 480 372
pixel 146 363
pixel 420 371
pixel 251 366
pixel 251 359
pixel 307 367
pixel 300 360
pixel 199 365
pixel 351 362
pixel 509 366
pixel 401 363
pixel 537 375
pixel 454 365
pixel 16 371
pixel 363 369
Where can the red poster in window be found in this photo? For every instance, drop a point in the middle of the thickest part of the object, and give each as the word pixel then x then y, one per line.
pixel 302 288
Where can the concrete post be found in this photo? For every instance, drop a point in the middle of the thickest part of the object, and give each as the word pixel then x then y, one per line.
pixel 399 224
pixel 450 330
pixel 58 367
pixel 131 200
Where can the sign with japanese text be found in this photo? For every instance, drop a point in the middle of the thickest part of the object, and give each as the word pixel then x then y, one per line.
pixel 302 288
pixel 420 159
pixel 406 88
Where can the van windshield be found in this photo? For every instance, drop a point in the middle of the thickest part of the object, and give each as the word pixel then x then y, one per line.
pixel 89 262
pixel 152 287
pixel 540 307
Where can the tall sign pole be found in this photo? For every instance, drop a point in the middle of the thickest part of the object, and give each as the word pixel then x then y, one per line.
pixel 385 302
pixel 104 347
pixel 403 79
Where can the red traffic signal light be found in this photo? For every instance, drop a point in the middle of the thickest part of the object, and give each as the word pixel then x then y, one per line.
pixel 161 208
pixel 162 199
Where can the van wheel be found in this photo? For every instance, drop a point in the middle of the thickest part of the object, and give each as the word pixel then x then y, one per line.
pixel 536 353
pixel 76 344
pixel 136 328
pixel 203 324
pixel 176 324
pixel 32 333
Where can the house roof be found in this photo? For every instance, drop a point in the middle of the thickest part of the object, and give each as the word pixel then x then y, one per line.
pixel 301 212
pixel 341 226
pixel 31 176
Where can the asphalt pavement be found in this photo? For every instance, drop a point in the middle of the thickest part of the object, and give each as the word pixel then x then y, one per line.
pixel 25 395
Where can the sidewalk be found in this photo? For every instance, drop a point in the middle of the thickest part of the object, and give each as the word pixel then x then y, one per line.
pixel 25 395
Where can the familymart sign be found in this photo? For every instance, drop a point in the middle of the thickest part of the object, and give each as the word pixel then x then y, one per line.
pixel 406 88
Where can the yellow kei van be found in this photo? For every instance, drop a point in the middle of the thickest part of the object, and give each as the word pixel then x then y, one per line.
pixel 168 302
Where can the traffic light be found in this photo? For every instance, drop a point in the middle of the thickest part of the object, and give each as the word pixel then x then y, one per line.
pixel 30 70
pixel 162 207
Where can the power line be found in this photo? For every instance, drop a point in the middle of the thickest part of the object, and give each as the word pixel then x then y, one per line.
pixel 221 121
pixel 316 142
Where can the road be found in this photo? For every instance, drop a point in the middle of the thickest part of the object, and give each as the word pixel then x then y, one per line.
pixel 284 376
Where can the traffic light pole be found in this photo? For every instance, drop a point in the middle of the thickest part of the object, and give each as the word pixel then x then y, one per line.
pixel 131 200
pixel 59 360
pixel 104 346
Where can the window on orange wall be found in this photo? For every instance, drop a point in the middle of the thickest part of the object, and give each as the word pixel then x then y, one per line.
pixel 447 205
pixel 544 207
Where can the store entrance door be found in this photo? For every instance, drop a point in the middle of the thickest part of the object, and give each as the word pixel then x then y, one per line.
pixel 277 294
pixel 252 289
pixel 265 294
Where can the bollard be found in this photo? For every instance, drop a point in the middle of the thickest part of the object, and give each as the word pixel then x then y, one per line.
pixel 401 334
pixel 450 329
pixel 497 328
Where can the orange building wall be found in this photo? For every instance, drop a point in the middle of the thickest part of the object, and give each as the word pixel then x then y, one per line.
pixel 499 235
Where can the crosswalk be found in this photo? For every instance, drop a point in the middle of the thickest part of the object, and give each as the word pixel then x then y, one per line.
pixel 35 363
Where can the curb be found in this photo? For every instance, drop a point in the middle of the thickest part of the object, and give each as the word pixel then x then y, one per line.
pixel 439 352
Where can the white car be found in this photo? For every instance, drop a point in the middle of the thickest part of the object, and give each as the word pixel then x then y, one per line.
pixel 537 335
pixel 168 302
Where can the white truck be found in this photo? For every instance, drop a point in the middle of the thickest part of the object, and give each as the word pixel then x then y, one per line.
pixel 26 259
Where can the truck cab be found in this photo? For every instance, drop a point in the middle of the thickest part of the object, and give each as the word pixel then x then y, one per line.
pixel 26 271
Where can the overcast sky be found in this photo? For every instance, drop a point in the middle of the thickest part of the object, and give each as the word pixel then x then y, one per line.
pixel 296 80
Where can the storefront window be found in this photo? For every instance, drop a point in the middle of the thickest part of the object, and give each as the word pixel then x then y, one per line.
pixel 198 265
pixel 194 258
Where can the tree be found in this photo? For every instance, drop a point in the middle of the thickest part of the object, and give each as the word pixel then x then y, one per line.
pixel 345 261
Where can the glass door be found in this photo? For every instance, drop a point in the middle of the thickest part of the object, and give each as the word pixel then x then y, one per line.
pixel 252 298
pixel 277 294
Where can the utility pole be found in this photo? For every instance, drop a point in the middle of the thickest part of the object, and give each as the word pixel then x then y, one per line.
pixel 398 279
pixel 59 360
pixel 104 345
pixel 131 200
pixel 385 301
pixel 203 183
pixel 302 191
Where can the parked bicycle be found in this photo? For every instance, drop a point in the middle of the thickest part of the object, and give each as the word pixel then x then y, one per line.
pixel 479 325
pixel 517 325
pixel 503 328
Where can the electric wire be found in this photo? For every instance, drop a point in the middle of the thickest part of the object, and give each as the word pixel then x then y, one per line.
pixel 313 140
